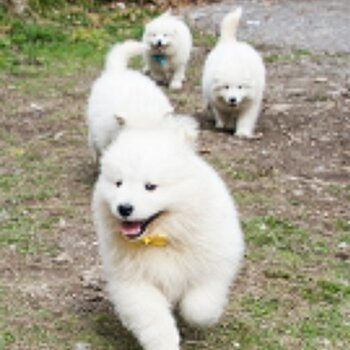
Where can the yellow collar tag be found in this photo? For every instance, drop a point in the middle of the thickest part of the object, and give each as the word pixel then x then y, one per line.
pixel 156 240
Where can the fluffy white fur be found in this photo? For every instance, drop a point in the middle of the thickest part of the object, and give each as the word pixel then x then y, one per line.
pixel 234 80
pixel 122 95
pixel 169 43
pixel 195 270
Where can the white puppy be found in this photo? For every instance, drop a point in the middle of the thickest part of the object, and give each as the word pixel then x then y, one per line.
pixel 169 233
pixel 122 95
pixel 234 80
pixel 169 44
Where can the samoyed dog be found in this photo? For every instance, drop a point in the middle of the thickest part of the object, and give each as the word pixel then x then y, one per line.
pixel 122 95
pixel 169 234
pixel 169 43
pixel 234 80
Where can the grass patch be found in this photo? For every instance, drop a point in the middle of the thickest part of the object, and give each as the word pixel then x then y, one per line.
pixel 67 39
pixel 281 234
pixel 295 55
pixel 201 38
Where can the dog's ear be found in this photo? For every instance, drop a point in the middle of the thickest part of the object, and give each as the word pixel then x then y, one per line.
pixel 168 12
pixel 186 127
pixel 217 84
pixel 120 121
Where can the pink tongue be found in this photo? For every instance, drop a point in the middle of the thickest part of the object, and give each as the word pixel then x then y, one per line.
pixel 130 228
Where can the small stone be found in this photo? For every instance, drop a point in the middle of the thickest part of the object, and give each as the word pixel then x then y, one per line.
pixel 280 108
pixel 121 5
pixel 254 23
pixel 91 279
pixel 296 92
pixel 36 106
pixel 343 246
pixel 320 80
pixel 62 258
pixel 347 83
pixel 4 215
pixel 298 192
pixel 62 223
pixel 82 346
pixel 58 135
pixel 326 342
pixel 335 93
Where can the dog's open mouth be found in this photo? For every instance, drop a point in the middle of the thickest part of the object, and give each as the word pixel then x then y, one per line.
pixel 135 229
pixel 159 48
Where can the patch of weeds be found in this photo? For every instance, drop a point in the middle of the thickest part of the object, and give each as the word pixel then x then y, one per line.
pixel 296 55
pixel 22 33
pixel 252 198
pixel 67 40
pixel 340 190
pixel 44 5
pixel 6 339
pixel 240 173
pixel 343 225
pixel 281 234
pixel 247 332
pixel 203 39
pixel 260 307
pixel 326 323
pixel 277 273
pixel 327 291
pixel 7 182
pixel 24 231
pixel 25 192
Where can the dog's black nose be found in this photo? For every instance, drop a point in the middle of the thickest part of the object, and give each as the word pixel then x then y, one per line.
pixel 125 210
pixel 232 101
pixel 159 43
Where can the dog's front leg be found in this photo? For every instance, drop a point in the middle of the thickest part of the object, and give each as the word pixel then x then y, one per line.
pixel 219 122
pixel 204 303
pixel 246 122
pixel 178 77
pixel 144 310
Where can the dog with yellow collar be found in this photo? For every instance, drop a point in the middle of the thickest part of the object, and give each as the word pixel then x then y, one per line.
pixel 168 230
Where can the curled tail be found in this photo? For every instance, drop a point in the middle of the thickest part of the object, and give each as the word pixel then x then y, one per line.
pixel 229 25
pixel 119 56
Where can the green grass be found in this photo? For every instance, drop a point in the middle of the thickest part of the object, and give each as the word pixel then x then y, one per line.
pixel 295 55
pixel 65 40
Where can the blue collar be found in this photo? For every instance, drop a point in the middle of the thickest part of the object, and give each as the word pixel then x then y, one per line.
pixel 160 58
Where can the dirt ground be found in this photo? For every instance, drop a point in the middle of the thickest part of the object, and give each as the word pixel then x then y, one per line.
pixel 299 171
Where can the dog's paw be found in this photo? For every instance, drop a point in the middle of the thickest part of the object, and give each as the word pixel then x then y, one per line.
pixel 219 124
pixel 146 70
pixel 176 85
pixel 246 136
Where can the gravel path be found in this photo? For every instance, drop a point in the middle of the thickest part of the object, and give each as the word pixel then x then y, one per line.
pixel 315 25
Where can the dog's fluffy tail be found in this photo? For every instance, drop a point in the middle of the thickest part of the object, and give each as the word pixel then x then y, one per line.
pixel 119 56
pixel 229 25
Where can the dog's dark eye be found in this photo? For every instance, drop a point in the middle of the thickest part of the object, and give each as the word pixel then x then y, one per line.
pixel 119 183
pixel 226 87
pixel 150 187
pixel 240 87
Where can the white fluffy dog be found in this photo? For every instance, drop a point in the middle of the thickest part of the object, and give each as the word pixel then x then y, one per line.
pixel 169 44
pixel 169 233
pixel 234 80
pixel 122 95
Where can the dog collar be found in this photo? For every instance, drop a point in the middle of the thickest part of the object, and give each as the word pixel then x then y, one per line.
pixel 156 240
pixel 160 58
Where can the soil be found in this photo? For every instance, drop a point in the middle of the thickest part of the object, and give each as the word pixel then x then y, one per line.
pixel 301 163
